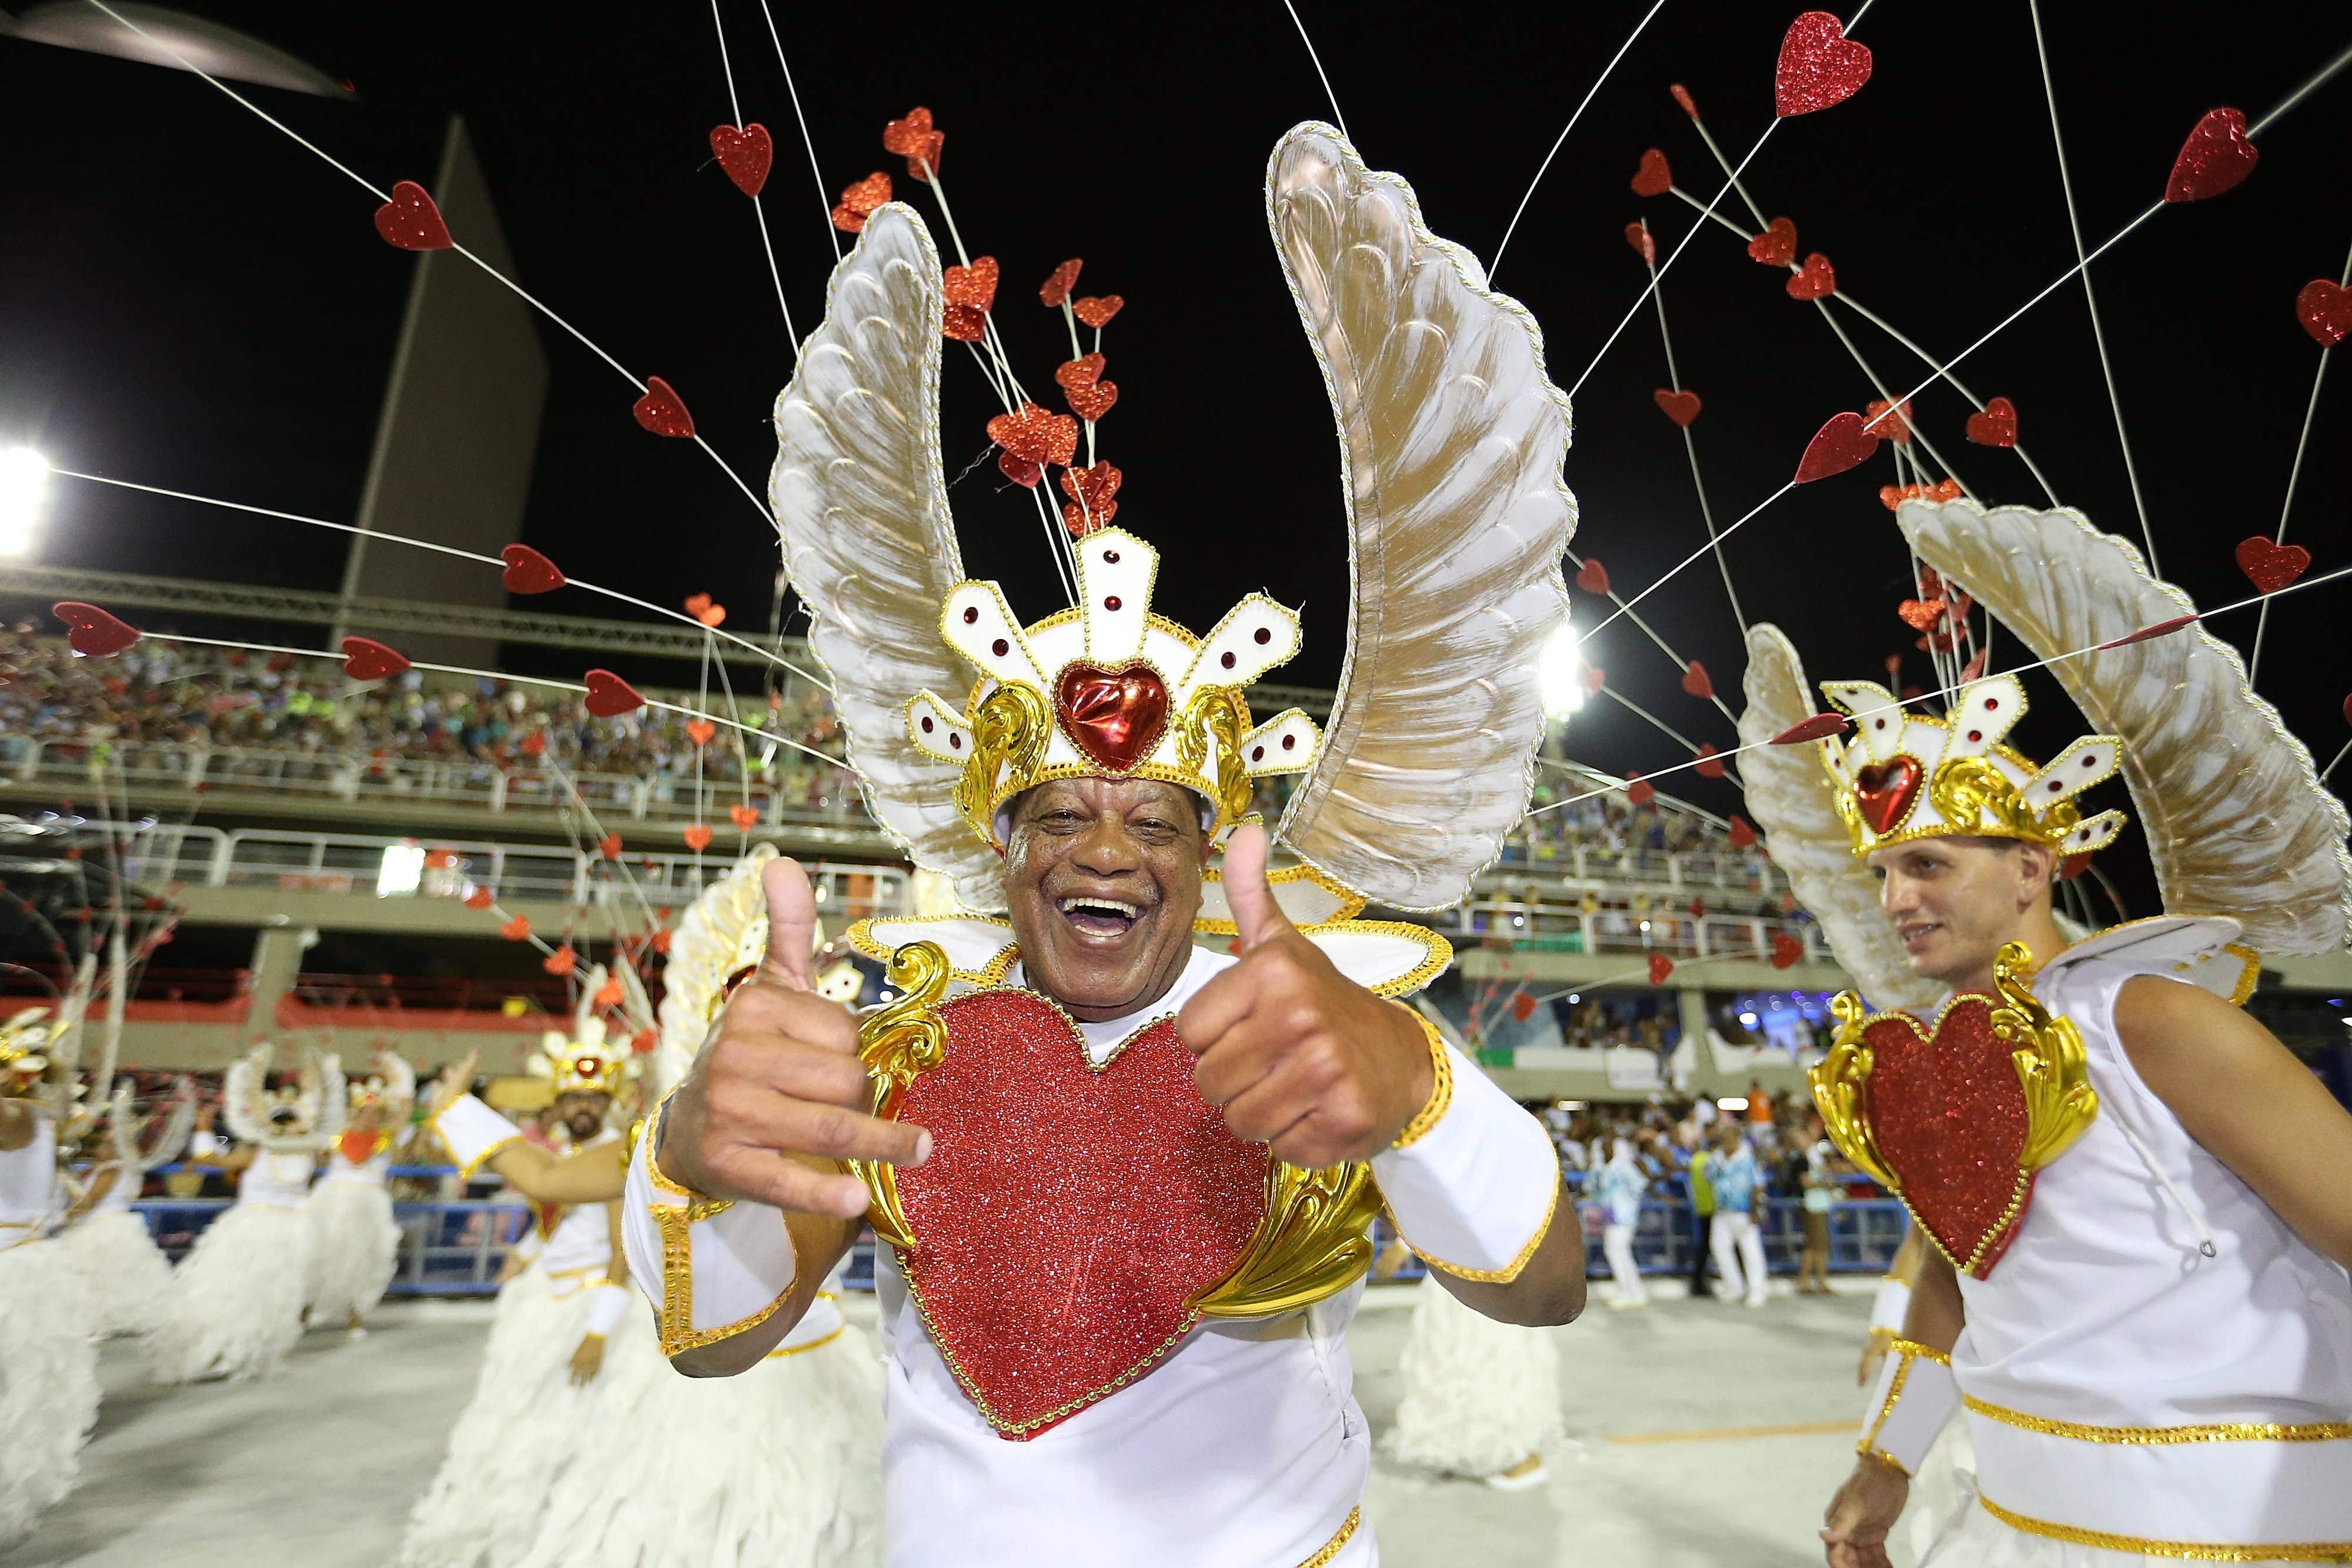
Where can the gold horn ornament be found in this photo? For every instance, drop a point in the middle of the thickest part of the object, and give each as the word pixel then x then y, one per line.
pixel 898 1044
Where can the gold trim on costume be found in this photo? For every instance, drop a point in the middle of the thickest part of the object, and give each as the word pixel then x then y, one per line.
pixel 674 1318
pixel 782 1351
pixel 1441 1088
pixel 1312 1242
pixel 2200 1552
pixel 699 1205
pixel 1331 1547
pixel 2204 1432
pixel 896 1044
pixel 1508 1272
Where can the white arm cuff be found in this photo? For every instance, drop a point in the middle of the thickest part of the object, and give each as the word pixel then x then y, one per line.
pixel 712 1268
pixel 1889 1307
pixel 471 1132
pixel 1475 1193
pixel 532 1245
pixel 1913 1398
pixel 606 1302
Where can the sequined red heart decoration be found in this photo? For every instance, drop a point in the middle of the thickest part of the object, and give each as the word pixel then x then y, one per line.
pixel 411 221
pixel 1884 791
pixel 2325 310
pixel 1092 401
pixel 2270 566
pixel 1888 421
pixel 1067 1213
pixel 609 697
pixel 1093 487
pixel 1020 470
pixel 1637 234
pixel 1654 176
pixel 745 818
pixel 479 898
pixel 963 323
pixel 563 961
pixel 1660 968
pixel 1842 442
pixel 1949 1119
pixel 1082 371
pixel 1114 717
pixel 1523 1007
pixel 1786 950
pixel 516 929
pixel 1819 66
pixel 913 138
pixel 1640 790
pixel 365 659
pixel 1707 762
pixel 1696 681
pixel 1056 288
pixel 746 155
pixel 1681 407
pixel 974 285
pixel 528 571
pixel 696 603
pixel 1031 433
pixel 860 200
pixel 1996 424
pixel 700 730
pixel 1776 245
pixel 1592 577
pixel 1743 833
pixel 662 411
pixel 1097 309
pixel 609 846
pixel 1817 280
pixel 1818 728
pixel 91 631
pixel 697 836
pixel 1681 97
pixel 608 994
pixel 2217 157
pixel 1921 613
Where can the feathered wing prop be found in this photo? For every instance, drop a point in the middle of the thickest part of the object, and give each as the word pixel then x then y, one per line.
pixel 399 1085
pixel 2236 819
pixel 243 1089
pixel 146 1153
pixel 1450 441
pixel 1791 795
pixel 861 507
pixel 724 929
pixel 326 1102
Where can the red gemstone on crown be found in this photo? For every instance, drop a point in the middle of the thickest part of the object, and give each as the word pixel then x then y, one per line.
pixel 1886 790
pixel 1114 717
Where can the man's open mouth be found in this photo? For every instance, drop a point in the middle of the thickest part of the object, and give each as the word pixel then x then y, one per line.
pixel 1912 935
pixel 1100 916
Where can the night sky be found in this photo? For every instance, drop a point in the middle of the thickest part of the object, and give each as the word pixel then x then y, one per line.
pixel 188 299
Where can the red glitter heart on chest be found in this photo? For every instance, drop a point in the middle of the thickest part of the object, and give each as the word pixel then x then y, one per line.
pixel 1066 1212
pixel 1114 716
pixel 1949 1118
pixel 1884 791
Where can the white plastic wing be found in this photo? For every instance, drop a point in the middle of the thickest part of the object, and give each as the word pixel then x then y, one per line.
pixel 2236 820
pixel 242 1088
pixel 324 1095
pixel 146 1153
pixel 861 505
pixel 1790 796
pixel 399 1081
pixel 1450 441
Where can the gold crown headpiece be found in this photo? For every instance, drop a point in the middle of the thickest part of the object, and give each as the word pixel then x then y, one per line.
pixel 591 1063
pixel 1109 690
pixel 25 1040
pixel 1903 776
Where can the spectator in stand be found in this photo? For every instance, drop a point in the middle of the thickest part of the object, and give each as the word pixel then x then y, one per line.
pixel 1619 1186
pixel 1813 1265
pixel 1739 1187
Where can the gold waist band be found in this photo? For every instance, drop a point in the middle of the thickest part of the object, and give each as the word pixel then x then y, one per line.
pixel 2188 1551
pixel 2207 1432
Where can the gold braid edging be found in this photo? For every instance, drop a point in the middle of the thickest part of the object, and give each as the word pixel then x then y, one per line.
pixel 675 1321
pixel 2207 1432
pixel 2192 1551
pixel 1331 1547
pixel 1441 1088
pixel 1508 1272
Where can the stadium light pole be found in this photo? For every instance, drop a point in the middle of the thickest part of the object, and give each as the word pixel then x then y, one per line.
pixel 24 481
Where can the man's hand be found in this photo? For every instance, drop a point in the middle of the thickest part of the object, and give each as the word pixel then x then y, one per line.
pixel 1865 1510
pixel 778 1091
pixel 1302 1058
pixel 453 1081
pixel 588 1361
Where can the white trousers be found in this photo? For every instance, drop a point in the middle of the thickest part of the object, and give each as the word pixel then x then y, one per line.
pixel 1617 1246
pixel 1735 1243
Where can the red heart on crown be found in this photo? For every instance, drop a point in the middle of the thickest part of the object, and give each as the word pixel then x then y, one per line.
pixel 1776 245
pixel 1996 425
pixel 974 285
pixel 1842 442
pixel 2217 157
pixel 1033 434
pixel 745 818
pixel 746 155
pixel 528 571
pixel 1681 407
pixel 609 697
pixel 1948 1115
pixel 1069 1213
pixel 1113 716
pixel 2270 566
pixel 1592 577
pixel 662 411
pixel 2326 312
pixel 1786 950
pixel 1654 176
pixel 364 659
pixel 1819 66
pixel 1814 280
pixel 411 221
pixel 91 631
pixel 1886 790
pixel 1092 401
pixel 1095 309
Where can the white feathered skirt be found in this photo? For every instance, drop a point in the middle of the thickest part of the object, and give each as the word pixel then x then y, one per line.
pixel 127 1275
pixel 235 1306
pixel 355 1245
pixel 1479 1396
pixel 779 1466
pixel 48 1381
pixel 514 1437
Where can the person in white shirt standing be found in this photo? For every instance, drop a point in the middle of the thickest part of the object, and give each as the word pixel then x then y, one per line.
pixel 1739 1185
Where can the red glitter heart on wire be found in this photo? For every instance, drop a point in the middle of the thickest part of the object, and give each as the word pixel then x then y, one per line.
pixel 700 731
pixel 91 631
pixel 1887 422
pixel 1884 791
pixel 609 995
pixel 1842 442
pixel 1681 407
pixel 1094 485
pixel 1640 790
pixel 1114 717
pixel 746 155
pixel 1592 577
pixel 2217 157
pixel 1083 370
pixel 2326 312
pixel 563 961
pixel 1743 833
pixel 1921 613
pixel 1817 280
pixel 1032 432
pixel 1682 95
pixel 1595 677
pixel 1056 288
pixel 662 411
pixel 860 200
pixel 697 836
pixel 1776 245
pixel 1654 176
pixel 1042 1305
pixel 1786 950
pixel 609 846
pixel 528 571
pixel 1948 1115
pixel 1523 1007
pixel 1092 401
pixel 974 285
pixel 1709 764
pixel 478 897
pixel 1996 425
pixel 745 818
pixel 365 659
pixel 1660 968
pixel 411 221
pixel 963 323
pixel 516 929
pixel 1819 66
pixel 1097 309
pixel 2144 634
pixel 1637 234
pixel 913 138
pixel 609 697
pixel 1020 470
pixel 1696 681
pixel 1819 726
pixel 2270 566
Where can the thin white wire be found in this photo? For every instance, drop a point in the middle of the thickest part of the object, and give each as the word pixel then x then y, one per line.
pixel 1318 66
pixel 2294 473
pixel 1690 447
pixel 719 27
pixel 825 204
pixel 1627 608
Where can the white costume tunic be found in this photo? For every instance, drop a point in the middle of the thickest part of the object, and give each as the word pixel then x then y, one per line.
pixel 2129 1391
pixel 1241 1447
pixel 48 1353
pixel 128 1277
pixel 235 1307
pixel 354 1242
pixel 1479 1396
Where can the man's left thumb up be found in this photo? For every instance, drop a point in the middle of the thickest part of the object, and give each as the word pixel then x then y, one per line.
pixel 1257 917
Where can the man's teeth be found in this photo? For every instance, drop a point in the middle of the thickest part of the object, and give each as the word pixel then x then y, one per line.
pixel 1098 905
